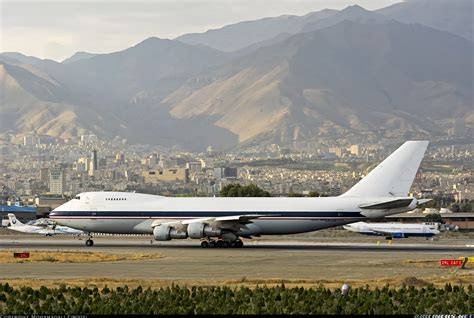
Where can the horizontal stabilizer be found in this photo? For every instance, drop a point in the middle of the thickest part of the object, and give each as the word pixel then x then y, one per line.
pixel 13 220
pixel 393 204
pixel 423 201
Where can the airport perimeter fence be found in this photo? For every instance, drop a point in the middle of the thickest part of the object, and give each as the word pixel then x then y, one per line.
pixel 242 300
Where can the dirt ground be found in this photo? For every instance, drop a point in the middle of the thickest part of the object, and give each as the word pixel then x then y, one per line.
pixel 461 279
pixel 74 257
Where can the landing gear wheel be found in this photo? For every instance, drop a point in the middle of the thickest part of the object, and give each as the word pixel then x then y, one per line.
pixel 239 244
pixel 89 242
pixel 220 244
pixel 225 244
pixel 204 244
pixel 212 244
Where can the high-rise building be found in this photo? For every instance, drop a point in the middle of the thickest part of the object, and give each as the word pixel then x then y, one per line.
pixel 120 157
pixel 57 181
pixel 93 164
pixel 194 167
pixel 44 175
pixel 94 160
pixel 338 151
pixel 225 173
pixel 102 163
pixel 29 140
pixel 152 160
pixel 355 150
pixel 82 164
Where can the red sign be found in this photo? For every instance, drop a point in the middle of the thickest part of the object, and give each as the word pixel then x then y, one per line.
pixel 451 262
pixel 21 255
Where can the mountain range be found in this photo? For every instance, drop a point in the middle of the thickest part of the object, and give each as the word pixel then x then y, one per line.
pixel 405 71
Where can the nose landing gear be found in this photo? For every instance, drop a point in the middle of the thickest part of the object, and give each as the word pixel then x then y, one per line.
pixel 89 241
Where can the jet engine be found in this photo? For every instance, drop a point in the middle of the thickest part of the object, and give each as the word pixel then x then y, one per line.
pixel 200 230
pixel 166 233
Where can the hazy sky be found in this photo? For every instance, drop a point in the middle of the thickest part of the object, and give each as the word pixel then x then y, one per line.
pixel 57 29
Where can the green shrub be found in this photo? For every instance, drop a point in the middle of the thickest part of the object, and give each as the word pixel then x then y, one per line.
pixel 224 300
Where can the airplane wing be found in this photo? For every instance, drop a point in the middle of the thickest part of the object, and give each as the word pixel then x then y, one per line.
pixel 233 222
pixel 46 231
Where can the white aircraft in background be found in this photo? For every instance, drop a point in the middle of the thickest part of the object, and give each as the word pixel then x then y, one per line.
pixel 384 191
pixel 394 230
pixel 53 229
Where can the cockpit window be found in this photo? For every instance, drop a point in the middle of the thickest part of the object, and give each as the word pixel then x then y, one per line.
pixel 77 197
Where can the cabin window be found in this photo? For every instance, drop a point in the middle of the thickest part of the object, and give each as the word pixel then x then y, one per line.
pixel 77 197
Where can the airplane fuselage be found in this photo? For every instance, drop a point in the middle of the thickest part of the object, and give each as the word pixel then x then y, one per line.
pixel 396 230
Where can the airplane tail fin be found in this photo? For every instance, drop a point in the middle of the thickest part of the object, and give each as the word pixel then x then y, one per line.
pixel 13 220
pixel 393 176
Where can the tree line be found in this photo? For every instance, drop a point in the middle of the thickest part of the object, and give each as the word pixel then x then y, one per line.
pixel 225 300
pixel 252 190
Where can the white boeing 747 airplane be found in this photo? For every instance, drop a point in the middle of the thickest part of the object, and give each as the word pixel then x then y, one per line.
pixel 384 191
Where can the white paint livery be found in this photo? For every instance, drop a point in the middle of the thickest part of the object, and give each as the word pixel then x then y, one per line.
pixel 394 230
pixel 382 192
pixel 47 230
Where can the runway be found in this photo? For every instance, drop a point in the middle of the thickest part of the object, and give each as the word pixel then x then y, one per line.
pixel 144 244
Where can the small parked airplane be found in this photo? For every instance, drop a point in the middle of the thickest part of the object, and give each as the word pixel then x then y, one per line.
pixel 47 230
pixel 394 230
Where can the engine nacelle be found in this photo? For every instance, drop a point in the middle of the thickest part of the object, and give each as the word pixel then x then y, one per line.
pixel 166 233
pixel 200 230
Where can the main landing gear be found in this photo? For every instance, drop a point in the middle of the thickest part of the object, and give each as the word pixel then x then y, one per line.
pixel 221 244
